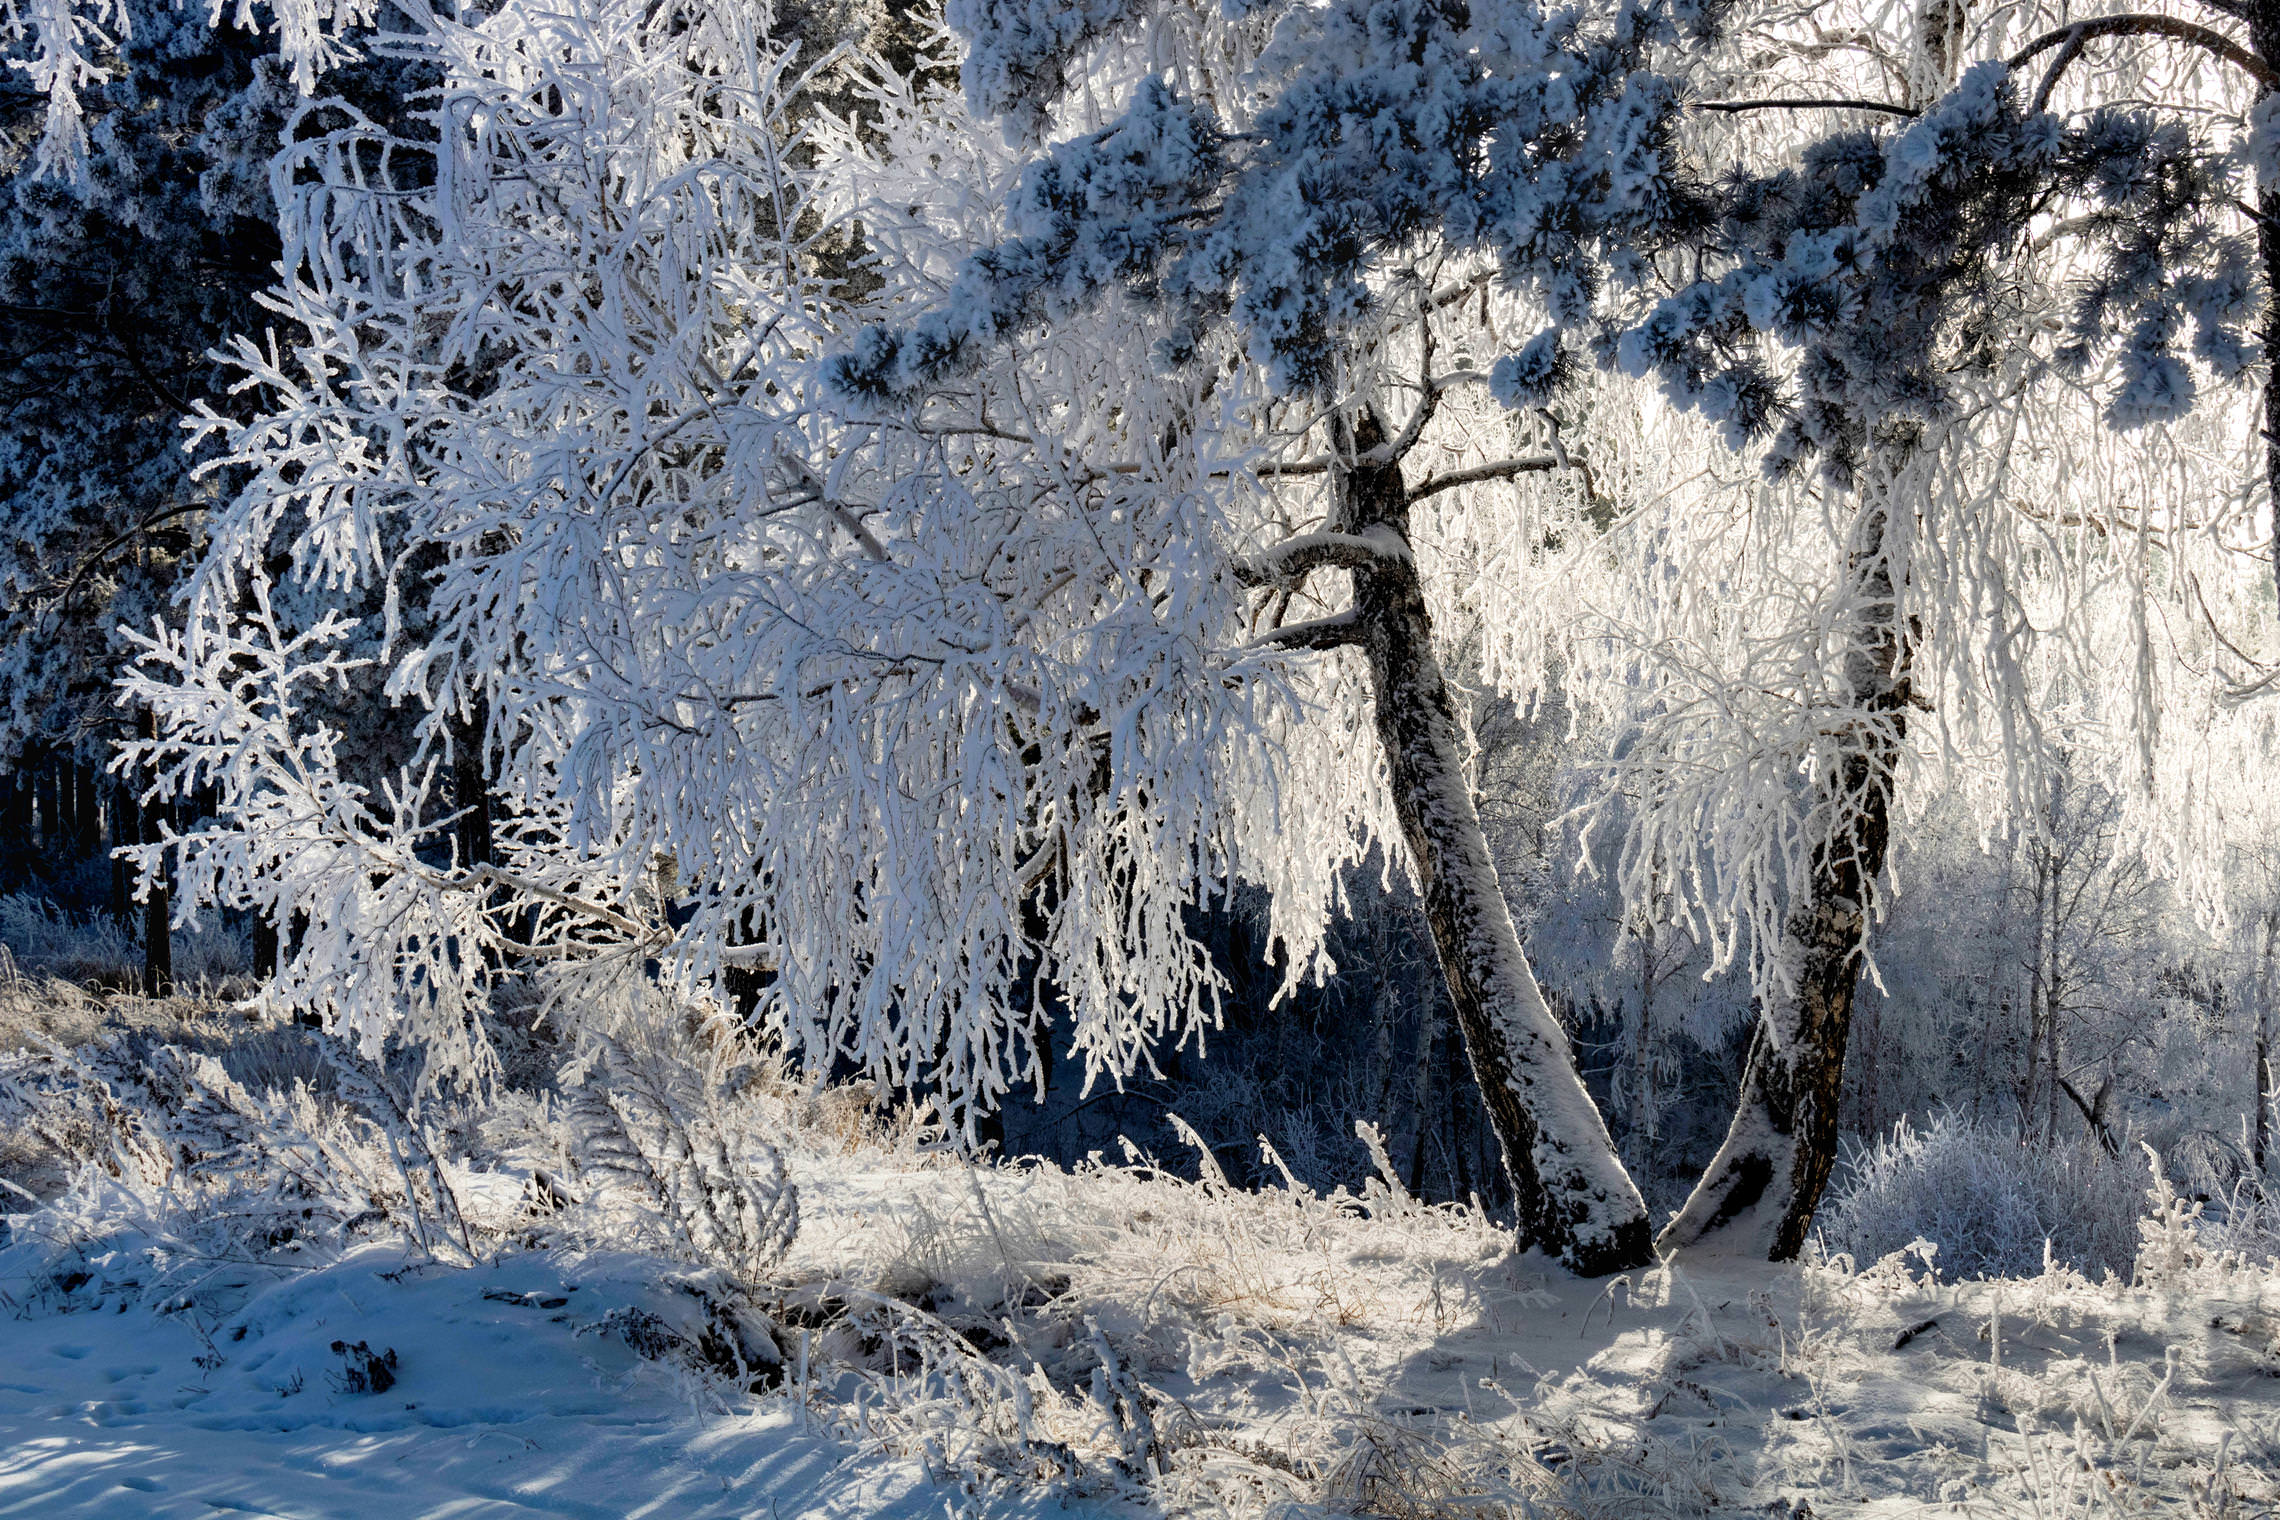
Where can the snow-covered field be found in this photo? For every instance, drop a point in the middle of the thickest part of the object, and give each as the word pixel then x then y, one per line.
pixel 499 1407
pixel 1016 1340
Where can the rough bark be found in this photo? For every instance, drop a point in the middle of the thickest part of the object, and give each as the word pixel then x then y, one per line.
pixel 1767 1178
pixel 1571 1194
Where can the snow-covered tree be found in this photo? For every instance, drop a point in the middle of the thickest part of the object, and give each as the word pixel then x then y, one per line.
pixel 1857 295
pixel 1889 305
pixel 758 691
pixel 1319 229
pixel 515 339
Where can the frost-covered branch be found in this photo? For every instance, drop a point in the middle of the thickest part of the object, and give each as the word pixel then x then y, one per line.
pixel 1470 475
pixel 1805 103
pixel 2070 38
pixel 1338 631
pixel 1290 562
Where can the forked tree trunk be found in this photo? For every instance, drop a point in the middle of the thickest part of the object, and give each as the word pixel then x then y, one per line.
pixel 1767 1178
pixel 1571 1194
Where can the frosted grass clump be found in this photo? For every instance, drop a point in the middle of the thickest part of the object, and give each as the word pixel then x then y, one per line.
pixel 45 938
pixel 1988 1200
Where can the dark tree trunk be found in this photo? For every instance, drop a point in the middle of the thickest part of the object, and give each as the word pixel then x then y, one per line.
pixel 16 822
pixel 264 946
pixel 125 830
pixel 471 785
pixel 1428 1031
pixel 64 841
pixel 51 836
pixel 2264 41
pixel 90 781
pixel 158 940
pixel 1382 1008
pixel 158 936
pixel 2267 1095
pixel 1767 1178
pixel 1570 1193
pixel 2267 1089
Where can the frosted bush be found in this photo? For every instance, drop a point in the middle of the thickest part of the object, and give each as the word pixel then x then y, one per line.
pixel 1986 1199
pixel 2246 1221
pixel 45 938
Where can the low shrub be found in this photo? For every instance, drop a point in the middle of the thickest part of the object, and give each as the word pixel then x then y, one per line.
pixel 1988 1199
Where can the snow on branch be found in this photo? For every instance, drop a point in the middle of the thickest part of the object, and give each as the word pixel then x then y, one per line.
pixel 1338 631
pixel 1290 562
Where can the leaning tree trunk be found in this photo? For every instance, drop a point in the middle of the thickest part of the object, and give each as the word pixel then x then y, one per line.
pixel 1767 1178
pixel 1571 1194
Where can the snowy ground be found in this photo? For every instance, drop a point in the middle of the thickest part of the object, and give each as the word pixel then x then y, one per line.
pixel 500 1408
pixel 183 1326
pixel 1288 1352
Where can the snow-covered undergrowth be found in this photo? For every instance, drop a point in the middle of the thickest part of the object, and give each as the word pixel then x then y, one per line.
pixel 261 1278
pixel 1996 1206
pixel 40 938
